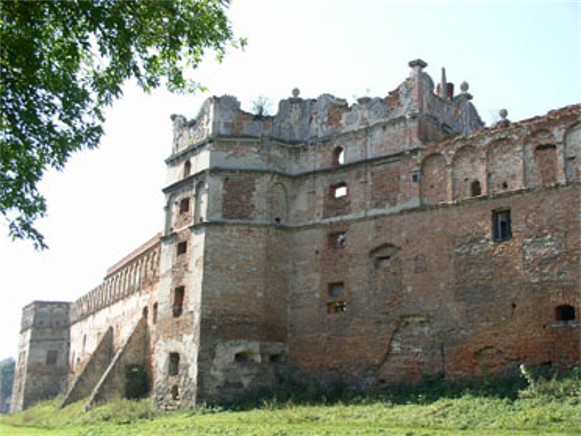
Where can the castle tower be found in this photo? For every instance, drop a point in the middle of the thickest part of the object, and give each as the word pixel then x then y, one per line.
pixel 42 364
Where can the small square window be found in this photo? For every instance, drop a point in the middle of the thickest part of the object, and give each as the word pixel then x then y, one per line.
pixel 336 291
pixel 339 190
pixel 336 240
pixel 501 225
pixel 182 247
pixel 51 357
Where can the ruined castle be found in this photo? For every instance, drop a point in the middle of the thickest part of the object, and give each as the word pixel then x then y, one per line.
pixel 374 243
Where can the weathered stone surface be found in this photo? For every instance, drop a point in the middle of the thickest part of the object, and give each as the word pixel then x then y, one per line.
pixel 376 243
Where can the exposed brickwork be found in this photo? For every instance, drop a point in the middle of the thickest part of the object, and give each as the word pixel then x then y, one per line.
pixel 432 246
pixel 238 197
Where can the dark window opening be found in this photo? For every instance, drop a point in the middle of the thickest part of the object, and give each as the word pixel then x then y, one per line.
pixel 564 312
pixel 475 189
pixel 501 225
pixel 182 247
pixel 415 177
pixel 51 357
pixel 336 290
pixel 277 220
pixel 338 156
pixel 187 168
pixel 339 190
pixel 337 240
pixel 504 185
pixel 246 356
pixel 277 358
pixel 178 301
pixel 184 205
pixel 154 315
pixel 336 293
pixel 337 307
pixel 145 312
pixel 175 392
pixel 174 364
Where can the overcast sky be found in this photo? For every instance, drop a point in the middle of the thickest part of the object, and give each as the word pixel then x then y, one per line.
pixel 522 56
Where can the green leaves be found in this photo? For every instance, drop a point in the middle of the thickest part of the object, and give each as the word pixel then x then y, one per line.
pixel 62 62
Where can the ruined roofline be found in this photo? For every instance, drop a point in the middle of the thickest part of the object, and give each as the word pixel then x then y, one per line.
pixel 301 120
pixel 134 255
pixel 573 110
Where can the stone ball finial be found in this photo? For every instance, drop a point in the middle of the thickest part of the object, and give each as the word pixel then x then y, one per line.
pixel 296 92
pixel 464 86
pixel 503 114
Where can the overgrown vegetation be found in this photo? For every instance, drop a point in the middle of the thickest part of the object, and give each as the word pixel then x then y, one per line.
pixel 531 404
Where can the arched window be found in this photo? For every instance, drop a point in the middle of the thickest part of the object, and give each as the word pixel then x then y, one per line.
pixel 564 312
pixel 187 168
pixel 338 156
pixel 475 189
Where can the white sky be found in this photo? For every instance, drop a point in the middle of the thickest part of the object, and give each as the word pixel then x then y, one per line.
pixel 522 56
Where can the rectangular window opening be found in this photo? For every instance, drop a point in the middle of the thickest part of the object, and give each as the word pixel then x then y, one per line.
pixel 154 316
pixel 337 307
pixel 336 240
pixel 185 205
pixel 175 393
pixel 501 225
pixel 51 357
pixel 178 301
pixel 339 191
pixel 337 295
pixel 182 247
pixel 174 364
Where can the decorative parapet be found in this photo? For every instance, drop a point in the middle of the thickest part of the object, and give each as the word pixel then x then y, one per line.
pixel 301 120
pixel 132 274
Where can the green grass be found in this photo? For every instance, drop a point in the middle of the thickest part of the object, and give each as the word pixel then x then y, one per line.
pixel 503 407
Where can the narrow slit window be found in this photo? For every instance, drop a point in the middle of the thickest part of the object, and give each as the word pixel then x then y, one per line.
pixel 187 168
pixel 178 301
pixel 475 189
pixel 174 364
pixel 154 315
pixel 501 225
pixel 338 156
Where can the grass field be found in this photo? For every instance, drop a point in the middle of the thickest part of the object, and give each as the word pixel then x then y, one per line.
pixel 534 406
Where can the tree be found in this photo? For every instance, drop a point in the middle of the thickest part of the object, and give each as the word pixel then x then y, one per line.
pixel 6 377
pixel 63 61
